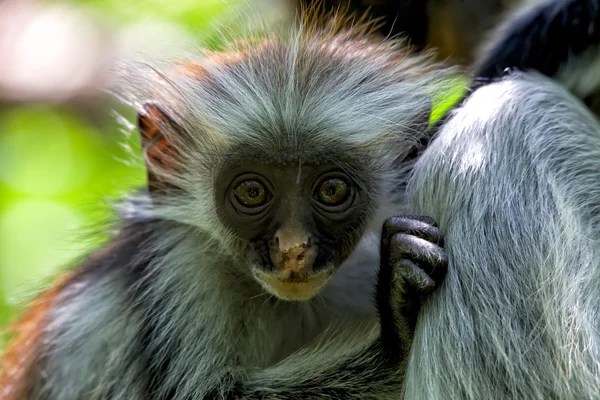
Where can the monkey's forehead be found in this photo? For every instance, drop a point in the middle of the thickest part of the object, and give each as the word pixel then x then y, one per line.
pixel 300 99
pixel 287 155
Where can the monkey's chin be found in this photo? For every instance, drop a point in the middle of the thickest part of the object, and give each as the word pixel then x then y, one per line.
pixel 293 290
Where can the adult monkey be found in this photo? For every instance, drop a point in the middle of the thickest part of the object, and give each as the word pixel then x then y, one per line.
pixel 513 179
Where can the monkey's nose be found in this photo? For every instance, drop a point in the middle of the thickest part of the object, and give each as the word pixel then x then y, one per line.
pixel 293 255
pixel 293 259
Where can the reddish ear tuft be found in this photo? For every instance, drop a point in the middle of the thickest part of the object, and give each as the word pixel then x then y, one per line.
pixel 159 152
pixel 191 70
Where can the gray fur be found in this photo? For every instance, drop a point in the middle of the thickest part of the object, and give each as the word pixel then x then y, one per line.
pixel 216 318
pixel 514 180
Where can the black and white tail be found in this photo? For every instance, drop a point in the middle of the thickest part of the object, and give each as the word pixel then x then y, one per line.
pixel 558 38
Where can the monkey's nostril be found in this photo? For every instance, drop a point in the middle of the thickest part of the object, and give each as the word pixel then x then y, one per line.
pixel 277 240
pixel 300 257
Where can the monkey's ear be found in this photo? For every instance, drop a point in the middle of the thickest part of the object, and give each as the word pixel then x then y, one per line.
pixel 159 152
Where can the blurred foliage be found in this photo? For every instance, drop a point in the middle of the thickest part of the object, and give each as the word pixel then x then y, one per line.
pixel 58 170
pixel 54 171
pixel 452 93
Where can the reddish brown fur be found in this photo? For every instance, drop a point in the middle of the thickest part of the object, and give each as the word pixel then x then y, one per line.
pixel 197 71
pixel 158 152
pixel 23 352
pixel 191 70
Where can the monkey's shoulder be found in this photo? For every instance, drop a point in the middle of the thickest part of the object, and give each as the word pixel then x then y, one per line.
pixel 82 318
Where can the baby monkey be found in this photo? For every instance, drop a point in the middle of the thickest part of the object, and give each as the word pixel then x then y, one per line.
pixel 255 265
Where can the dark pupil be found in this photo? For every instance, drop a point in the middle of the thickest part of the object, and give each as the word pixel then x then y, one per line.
pixel 330 190
pixel 253 192
pixel 333 192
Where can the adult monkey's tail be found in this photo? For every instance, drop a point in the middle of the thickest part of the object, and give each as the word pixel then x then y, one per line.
pixel 559 38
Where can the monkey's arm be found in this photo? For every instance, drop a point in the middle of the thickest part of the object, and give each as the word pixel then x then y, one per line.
pixel 412 266
pixel 512 179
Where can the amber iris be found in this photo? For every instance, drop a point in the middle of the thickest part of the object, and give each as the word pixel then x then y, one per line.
pixel 333 192
pixel 251 193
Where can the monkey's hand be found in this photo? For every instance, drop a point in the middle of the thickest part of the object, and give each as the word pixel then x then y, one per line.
pixel 413 264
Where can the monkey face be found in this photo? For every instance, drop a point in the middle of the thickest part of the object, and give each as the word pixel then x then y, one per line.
pixel 286 151
pixel 298 220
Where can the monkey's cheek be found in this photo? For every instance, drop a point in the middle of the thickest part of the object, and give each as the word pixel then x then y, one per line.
pixel 293 290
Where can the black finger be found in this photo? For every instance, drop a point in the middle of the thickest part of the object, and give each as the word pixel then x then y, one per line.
pixel 429 256
pixel 411 225
pixel 426 219
pixel 415 278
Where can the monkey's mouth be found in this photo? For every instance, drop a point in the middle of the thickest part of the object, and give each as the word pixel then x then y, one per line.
pixel 294 287
pixel 297 273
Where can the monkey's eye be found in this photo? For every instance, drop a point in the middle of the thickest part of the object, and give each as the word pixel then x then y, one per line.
pixel 333 192
pixel 251 193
